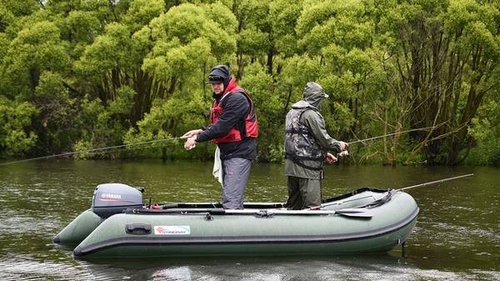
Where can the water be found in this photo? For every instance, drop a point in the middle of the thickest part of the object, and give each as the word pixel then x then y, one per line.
pixel 457 236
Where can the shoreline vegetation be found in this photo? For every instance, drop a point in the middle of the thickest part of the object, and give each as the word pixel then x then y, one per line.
pixel 79 76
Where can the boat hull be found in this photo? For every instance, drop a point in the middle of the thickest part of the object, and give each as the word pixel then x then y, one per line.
pixel 75 232
pixel 265 234
pixel 135 248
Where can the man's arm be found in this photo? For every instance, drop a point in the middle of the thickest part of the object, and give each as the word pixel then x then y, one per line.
pixel 316 124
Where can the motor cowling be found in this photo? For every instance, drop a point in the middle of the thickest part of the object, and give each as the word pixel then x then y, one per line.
pixel 114 198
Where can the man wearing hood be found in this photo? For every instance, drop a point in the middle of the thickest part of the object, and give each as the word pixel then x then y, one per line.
pixel 233 127
pixel 306 148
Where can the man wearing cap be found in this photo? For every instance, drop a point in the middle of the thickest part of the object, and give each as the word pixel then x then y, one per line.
pixel 307 146
pixel 233 127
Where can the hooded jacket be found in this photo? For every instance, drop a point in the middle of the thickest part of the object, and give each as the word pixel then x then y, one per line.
pixel 300 143
pixel 307 141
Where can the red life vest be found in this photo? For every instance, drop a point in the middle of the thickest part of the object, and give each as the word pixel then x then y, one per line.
pixel 251 125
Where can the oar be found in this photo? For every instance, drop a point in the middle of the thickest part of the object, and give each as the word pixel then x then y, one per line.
pixel 348 212
pixel 434 182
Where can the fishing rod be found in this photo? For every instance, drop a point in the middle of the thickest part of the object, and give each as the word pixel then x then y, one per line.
pixel 408 187
pixel 434 182
pixel 95 150
pixel 346 153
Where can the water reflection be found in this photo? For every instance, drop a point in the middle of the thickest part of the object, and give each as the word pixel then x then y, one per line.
pixel 27 268
pixel 379 267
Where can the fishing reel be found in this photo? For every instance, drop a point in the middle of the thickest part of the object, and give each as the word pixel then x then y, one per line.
pixel 343 153
pixel 330 158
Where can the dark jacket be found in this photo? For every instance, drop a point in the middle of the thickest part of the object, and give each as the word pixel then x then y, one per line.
pixel 235 109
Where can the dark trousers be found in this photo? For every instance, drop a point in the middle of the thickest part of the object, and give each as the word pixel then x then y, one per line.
pixel 303 193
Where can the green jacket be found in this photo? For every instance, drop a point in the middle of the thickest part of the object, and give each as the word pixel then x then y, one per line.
pixel 314 121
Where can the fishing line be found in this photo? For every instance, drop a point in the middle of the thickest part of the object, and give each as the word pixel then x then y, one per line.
pixel 391 134
pixel 346 152
pixel 101 149
pixel 95 150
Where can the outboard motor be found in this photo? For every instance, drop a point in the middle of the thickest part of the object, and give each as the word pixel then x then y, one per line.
pixel 114 198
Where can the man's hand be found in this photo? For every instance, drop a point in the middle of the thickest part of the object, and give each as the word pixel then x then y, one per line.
pixel 191 133
pixel 330 159
pixel 190 143
pixel 343 145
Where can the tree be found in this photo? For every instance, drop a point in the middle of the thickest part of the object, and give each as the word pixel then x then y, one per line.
pixel 185 42
pixel 446 56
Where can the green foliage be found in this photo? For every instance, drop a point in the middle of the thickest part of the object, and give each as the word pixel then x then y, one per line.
pixel 19 8
pixel 141 12
pixel 109 51
pixel 15 136
pixel 101 129
pixel 269 109
pixel 446 58
pixel 56 123
pixel 284 15
pixel 486 132
pixel 86 74
pixel 81 27
pixel 36 48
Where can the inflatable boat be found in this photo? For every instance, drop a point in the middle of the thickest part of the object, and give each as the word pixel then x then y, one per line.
pixel 118 225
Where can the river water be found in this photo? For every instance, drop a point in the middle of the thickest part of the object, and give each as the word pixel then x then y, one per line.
pixel 457 236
